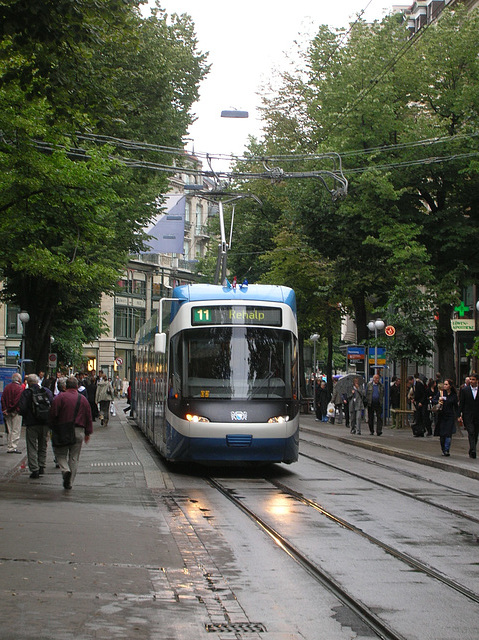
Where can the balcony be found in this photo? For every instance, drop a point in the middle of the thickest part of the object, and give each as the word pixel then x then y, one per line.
pixel 201 232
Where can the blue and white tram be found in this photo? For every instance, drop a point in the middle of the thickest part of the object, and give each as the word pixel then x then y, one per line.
pixel 221 384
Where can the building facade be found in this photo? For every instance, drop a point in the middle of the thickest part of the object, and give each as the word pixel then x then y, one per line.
pixel 423 12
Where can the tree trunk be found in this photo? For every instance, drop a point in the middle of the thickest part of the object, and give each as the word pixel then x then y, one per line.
pixel 403 392
pixel 39 301
pixel 329 364
pixel 445 343
pixel 302 376
pixel 360 317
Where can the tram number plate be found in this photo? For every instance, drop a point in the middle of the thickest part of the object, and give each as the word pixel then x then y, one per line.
pixel 268 316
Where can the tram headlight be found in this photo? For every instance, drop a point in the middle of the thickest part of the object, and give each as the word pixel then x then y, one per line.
pixel 193 418
pixel 276 419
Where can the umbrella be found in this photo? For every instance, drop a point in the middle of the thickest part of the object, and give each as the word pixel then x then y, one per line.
pixel 344 385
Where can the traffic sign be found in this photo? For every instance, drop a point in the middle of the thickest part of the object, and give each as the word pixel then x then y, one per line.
pixel 119 361
pixel 390 330
pixel 52 360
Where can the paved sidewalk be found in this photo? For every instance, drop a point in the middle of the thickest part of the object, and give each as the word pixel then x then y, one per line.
pixel 402 444
pixel 104 560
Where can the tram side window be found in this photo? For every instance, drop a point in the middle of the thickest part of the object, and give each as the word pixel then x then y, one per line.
pixel 176 368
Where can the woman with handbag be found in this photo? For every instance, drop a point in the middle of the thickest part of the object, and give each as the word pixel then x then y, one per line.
pixel 447 416
pixel 103 397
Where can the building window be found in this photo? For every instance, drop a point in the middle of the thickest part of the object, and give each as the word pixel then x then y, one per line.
pixel 128 321
pixel 187 211
pixel 14 327
pixel 12 355
pixel 132 287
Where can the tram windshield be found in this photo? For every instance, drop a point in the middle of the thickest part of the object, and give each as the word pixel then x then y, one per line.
pixel 233 362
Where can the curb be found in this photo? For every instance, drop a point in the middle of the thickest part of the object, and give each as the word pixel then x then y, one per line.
pixel 399 453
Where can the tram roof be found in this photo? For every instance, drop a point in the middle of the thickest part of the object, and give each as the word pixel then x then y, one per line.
pixel 247 293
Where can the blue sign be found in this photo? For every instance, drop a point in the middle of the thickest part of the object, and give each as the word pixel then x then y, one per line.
pixel 6 374
pixel 381 354
pixel 356 354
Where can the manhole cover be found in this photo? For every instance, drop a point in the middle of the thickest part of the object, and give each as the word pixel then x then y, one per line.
pixel 236 627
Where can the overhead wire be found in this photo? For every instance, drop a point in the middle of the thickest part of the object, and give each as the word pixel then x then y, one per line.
pixel 251 175
pixel 182 153
pixel 135 146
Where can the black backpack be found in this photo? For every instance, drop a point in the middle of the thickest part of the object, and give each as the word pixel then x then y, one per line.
pixel 40 405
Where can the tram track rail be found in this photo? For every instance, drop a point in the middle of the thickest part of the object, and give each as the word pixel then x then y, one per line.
pixel 405 558
pixel 368 617
pixel 389 487
pixel 399 555
pixel 324 578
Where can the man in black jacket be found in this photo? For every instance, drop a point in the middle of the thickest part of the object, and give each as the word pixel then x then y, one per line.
pixel 36 432
pixel 469 409
pixel 420 404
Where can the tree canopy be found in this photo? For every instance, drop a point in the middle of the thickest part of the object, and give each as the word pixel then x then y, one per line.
pixel 403 114
pixel 76 76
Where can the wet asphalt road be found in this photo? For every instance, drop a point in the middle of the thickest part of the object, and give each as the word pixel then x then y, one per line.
pixel 141 550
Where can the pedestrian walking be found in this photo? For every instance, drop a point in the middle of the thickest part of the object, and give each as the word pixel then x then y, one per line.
pixel 103 397
pixel 11 412
pixel 469 411
pixel 432 395
pixel 128 400
pixel 356 406
pixel 322 402
pixel 90 385
pixel 395 393
pixel 337 398
pixel 420 406
pixel 117 386
pixel 71 423
pixel 447 415
pixel 34 405
pixel 374 400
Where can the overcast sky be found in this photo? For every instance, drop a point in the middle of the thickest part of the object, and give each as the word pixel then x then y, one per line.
pixel 246 41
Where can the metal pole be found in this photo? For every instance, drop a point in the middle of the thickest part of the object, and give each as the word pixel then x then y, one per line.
pixel 314 337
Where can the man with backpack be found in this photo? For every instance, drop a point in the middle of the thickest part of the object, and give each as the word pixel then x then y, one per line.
pixel 35 403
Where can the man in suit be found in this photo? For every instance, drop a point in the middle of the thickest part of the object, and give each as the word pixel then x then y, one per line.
pixel 469 409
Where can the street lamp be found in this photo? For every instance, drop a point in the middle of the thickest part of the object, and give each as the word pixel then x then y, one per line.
pixel 234 113
pixel 314 338
pixel 24 317
pixel 376 325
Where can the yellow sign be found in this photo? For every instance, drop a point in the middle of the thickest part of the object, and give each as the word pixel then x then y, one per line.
pixel 462 324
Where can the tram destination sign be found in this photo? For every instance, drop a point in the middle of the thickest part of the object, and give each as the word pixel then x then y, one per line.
pixel 206 315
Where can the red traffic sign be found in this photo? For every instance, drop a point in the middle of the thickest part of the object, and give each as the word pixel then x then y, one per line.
pixel 52 359
pixel 119 361
pixel 389 330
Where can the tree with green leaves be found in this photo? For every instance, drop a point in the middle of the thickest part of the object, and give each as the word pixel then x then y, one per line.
pixel 71 208
pixel 407 222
